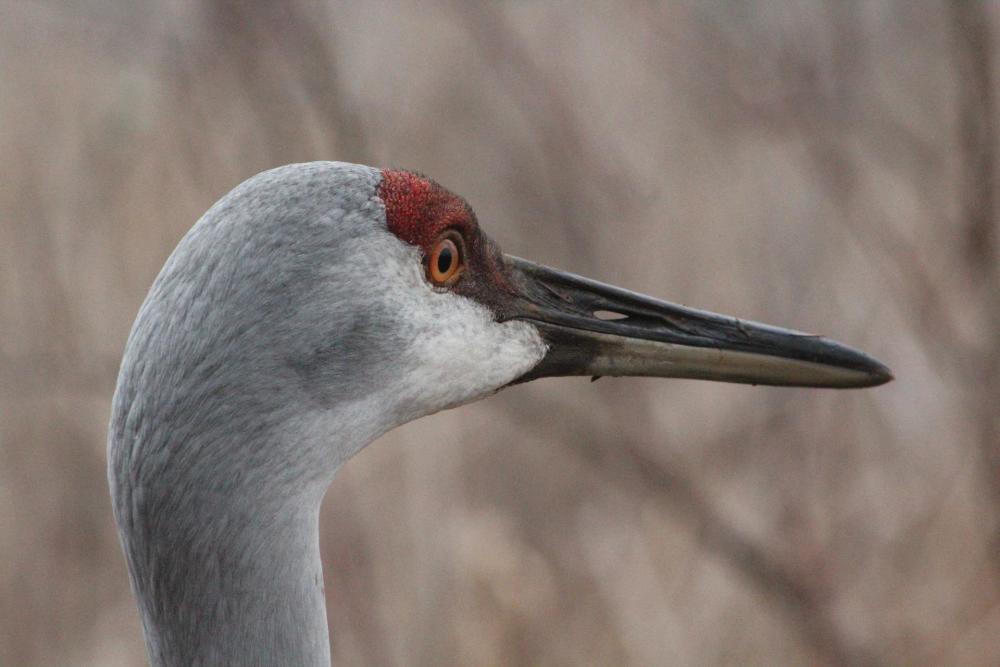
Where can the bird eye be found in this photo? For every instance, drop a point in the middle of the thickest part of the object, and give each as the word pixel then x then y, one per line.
pixel 446 261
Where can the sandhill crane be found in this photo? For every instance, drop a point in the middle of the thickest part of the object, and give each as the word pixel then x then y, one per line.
pixel 312 309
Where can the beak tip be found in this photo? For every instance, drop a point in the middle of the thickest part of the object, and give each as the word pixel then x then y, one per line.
pixel 868 371
pixel 880 375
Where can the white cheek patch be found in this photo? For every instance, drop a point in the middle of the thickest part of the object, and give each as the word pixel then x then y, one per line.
pixel 470 355
pixel 456 352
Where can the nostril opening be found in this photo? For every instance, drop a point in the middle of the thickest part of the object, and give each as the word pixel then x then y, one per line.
pixel 609 315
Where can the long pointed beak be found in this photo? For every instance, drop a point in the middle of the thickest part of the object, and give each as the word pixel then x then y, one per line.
pixel 600 330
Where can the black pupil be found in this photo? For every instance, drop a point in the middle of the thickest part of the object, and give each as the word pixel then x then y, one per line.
pixel 444 259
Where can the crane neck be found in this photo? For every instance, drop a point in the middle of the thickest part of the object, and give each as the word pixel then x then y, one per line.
pixel 218 515
pixel 221 531
pixel 230 582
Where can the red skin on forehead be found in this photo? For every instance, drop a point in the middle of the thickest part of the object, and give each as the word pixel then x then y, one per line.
pixel 418 210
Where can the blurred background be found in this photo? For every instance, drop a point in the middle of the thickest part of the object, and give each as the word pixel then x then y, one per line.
pixel 826 166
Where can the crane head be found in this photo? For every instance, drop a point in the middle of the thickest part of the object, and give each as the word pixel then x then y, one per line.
pixel 325 284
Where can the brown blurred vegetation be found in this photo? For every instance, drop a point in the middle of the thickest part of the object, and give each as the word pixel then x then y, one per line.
pixel 827 166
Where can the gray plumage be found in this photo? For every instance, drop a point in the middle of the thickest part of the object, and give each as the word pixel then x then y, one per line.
pixel 219 503
pixel 271 348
